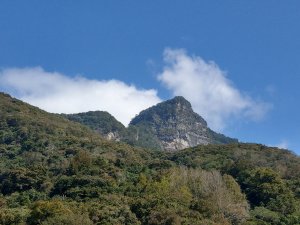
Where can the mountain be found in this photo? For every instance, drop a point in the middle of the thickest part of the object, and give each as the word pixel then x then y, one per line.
pixel 56 171
pixel 177 126
pixel 171 125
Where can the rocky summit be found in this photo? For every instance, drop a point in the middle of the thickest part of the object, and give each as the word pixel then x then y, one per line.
pixel 177 126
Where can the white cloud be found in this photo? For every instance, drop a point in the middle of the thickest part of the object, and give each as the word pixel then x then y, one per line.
pixel 58 93
pixel 206 86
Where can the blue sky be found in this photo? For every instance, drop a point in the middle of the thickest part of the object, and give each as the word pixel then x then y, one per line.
pixel 51 49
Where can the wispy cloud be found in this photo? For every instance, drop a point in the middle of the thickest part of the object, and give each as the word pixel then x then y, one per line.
pixel 58 93
pixel 208 89
pixel 284 144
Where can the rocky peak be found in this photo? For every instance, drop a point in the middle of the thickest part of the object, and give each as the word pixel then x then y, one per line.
pixel 175 124
pixel 180 101
pixel 175 110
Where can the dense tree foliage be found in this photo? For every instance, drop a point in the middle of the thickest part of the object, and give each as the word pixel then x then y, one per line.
pixel 54 171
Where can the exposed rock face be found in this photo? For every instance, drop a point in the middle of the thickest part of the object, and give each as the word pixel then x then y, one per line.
pixel 175 124
pixel 112 136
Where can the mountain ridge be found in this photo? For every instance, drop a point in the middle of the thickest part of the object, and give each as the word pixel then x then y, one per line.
pixel 170 125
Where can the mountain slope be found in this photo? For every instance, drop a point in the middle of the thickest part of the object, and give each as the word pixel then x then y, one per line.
pixel 54 171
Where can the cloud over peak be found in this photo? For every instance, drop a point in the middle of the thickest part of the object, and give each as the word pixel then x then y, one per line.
pixel 206 86
pixel 58 93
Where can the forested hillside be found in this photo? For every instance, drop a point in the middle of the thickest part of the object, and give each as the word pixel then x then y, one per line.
pixel 54 171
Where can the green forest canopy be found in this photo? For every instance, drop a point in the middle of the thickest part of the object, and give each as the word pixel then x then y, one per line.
pixel 54 171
